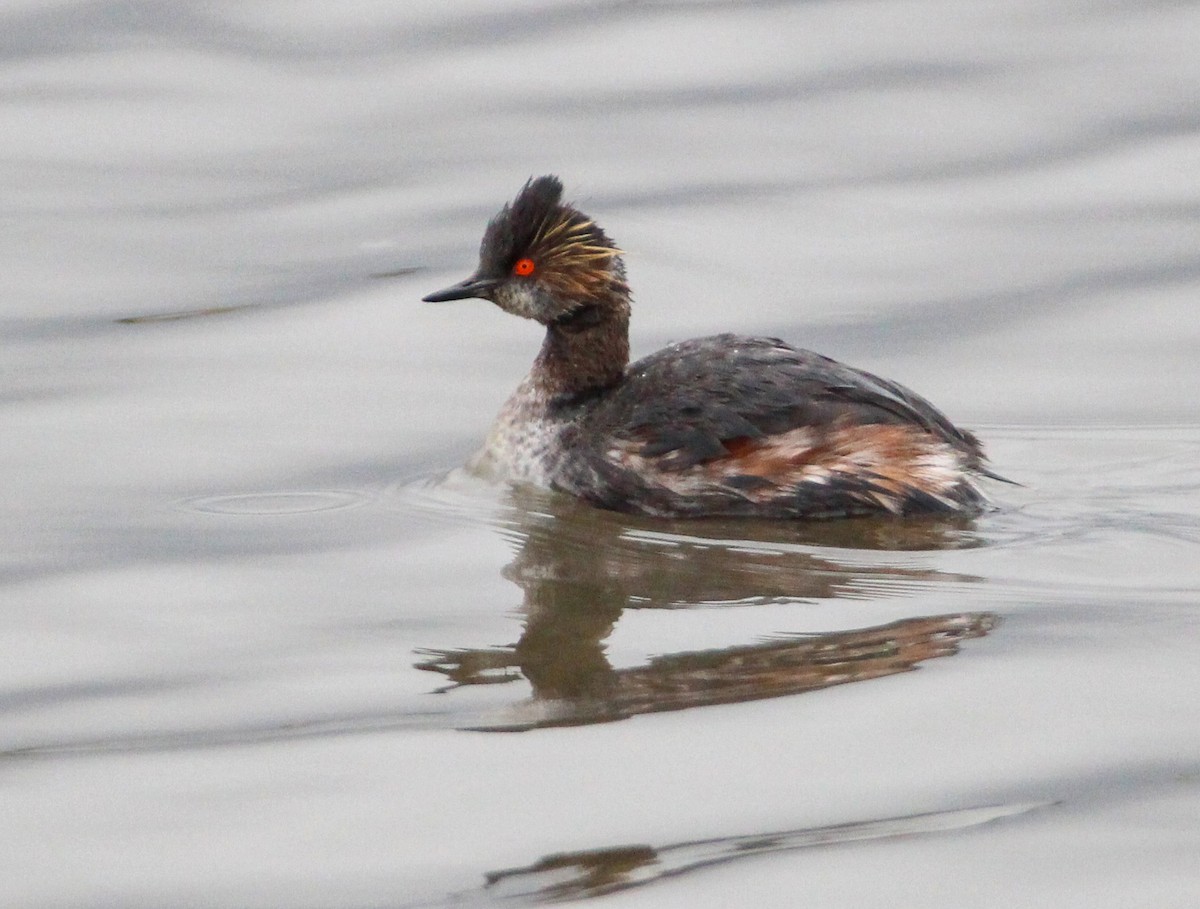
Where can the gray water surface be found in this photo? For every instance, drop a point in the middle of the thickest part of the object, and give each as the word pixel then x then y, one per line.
pixel 264 645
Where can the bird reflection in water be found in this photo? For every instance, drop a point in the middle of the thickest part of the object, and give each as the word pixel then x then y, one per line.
pixel 580 568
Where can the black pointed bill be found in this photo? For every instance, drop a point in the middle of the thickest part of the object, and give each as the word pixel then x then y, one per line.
pixel 473 286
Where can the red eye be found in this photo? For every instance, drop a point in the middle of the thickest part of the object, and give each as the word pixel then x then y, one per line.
pixel 524 267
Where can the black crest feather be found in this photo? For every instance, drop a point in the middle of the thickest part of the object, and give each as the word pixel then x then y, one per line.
pixel 538 223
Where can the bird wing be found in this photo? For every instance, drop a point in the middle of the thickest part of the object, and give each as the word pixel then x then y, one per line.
pixel 729 423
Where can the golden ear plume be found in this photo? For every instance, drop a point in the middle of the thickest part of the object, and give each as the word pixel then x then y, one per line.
pixel 570 240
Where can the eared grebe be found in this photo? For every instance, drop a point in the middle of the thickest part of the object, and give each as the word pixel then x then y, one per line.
pixel 725 425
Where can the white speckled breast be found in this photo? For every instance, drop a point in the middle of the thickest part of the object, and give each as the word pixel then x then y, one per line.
pixel 524 443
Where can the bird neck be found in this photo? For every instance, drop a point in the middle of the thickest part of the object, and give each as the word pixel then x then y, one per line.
pixel 584 353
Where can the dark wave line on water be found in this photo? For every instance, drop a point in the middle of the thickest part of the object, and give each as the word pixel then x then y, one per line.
pixel 589 873
pixel 236 736
pixel 83 27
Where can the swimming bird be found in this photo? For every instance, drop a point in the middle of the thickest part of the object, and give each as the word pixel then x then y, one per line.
pixel 726 425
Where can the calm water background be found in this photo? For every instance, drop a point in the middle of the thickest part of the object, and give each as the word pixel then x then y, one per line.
pixel 246 613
